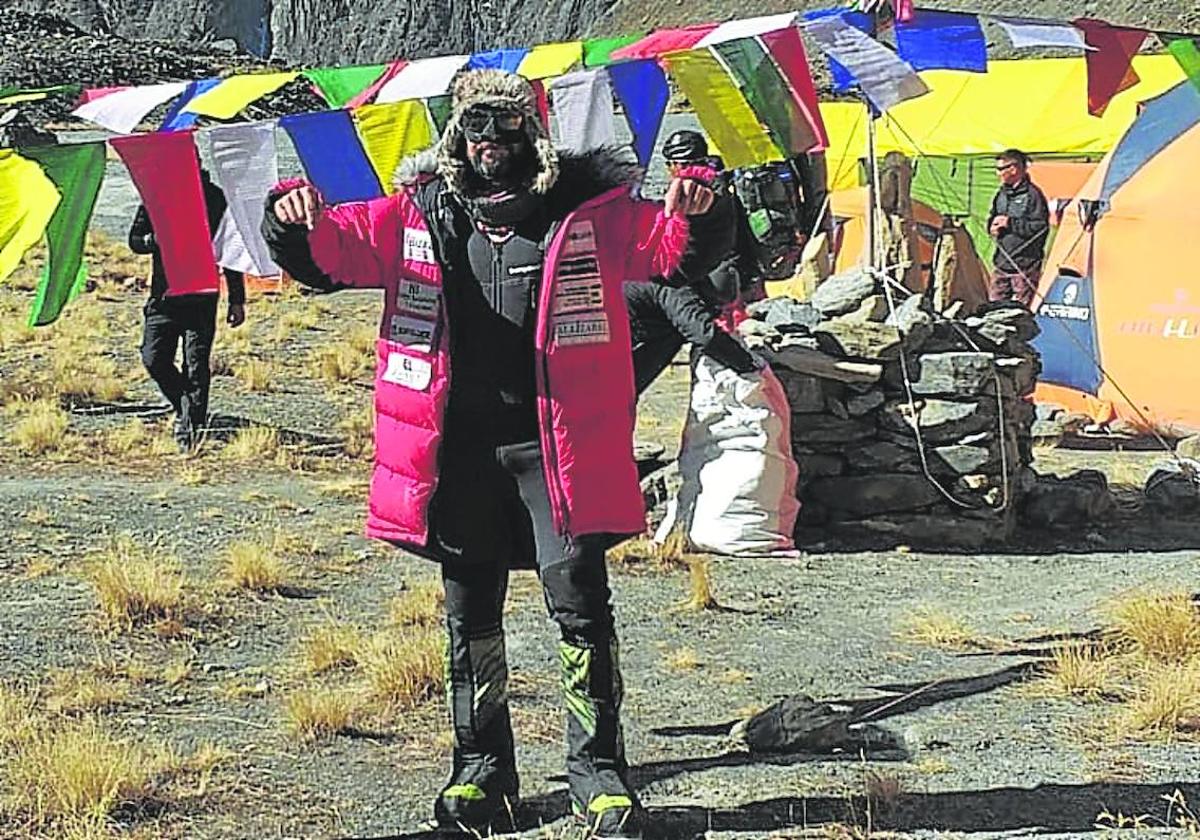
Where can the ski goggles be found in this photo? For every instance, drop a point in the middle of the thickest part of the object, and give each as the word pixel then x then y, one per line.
pixel 484 123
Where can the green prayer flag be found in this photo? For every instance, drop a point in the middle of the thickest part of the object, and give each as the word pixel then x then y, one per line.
pixel 440 108
pixel 1188 55
pixel 77 171
pixel 598 51
pixel 11 95
pixel 768 94
pixel 341 84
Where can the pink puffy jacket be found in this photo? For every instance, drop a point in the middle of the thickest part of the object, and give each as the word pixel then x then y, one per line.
pixel 586 400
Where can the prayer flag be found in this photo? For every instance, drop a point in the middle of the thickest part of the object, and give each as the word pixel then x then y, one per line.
pixel 245 168
pixel 641 87
pixel 598 51
pixel 508 60
pixel 389 133
pixel 885 79
pixel 166 170
pixel 723 112
pixel 1039 33
pixel 422 78
pixel 768 94
pixel 77 170
pixel 843 79
pixel 942 41
pixel 233 94
pixel 787 49
pixel 122 110
pixel 583 104
pixel 338 85
pixel 664 41
pixel 546 60
pixel 27 202
pixel 176 117
pixel 332 155
pixel 1110 64
pixel 1188 56
pixel 746 28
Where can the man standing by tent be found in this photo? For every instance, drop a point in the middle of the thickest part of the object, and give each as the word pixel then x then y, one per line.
pixel 191 319
pixel 504 408
pixel 1019 222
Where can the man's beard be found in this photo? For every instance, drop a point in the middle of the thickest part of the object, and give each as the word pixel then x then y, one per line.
pixel 506 169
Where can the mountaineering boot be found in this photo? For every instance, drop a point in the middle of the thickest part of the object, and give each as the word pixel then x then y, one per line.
pixel 601 796
pixel 483 783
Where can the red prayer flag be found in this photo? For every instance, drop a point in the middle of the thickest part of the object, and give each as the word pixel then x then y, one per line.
pixel 664 41
pixel 1110 62
pixel 166 171
pixel 95 93
pixel 372 89
pixel 787 49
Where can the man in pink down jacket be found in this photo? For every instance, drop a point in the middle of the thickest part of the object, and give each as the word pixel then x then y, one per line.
pixel 504 406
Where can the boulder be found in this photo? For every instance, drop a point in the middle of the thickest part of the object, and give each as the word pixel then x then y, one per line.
pixel 843 293
pixel 1189 447
pixel 790 315
pixel 916 324
pixel 882 456
pixel 940 421
pixel 861 404
pixel 1174 488
pixel 868 495
pixel 804 393
pixel 803 359
pixel 814 465
pixel 959 374
pixel 1078 499
pixel 809 429
pixel 873 308
pixel 862 339
pixel 936 532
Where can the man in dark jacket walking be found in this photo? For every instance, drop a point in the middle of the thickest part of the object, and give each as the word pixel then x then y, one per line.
pixel 191 319
pixel 686 305
pixel 1019 222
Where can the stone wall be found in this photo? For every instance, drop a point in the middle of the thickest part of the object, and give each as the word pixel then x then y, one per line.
pixel 949 473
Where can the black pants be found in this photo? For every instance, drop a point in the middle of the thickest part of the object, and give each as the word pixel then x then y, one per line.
pixel 192 319
pixel 492 513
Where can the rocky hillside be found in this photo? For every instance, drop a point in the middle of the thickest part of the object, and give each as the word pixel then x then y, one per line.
pixel 347 31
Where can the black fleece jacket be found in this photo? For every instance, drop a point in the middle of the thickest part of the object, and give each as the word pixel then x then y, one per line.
pixel 1020 246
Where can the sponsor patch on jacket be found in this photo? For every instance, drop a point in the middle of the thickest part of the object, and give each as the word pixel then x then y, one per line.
pixel 418 246
pixel 411 332
pixel 583 295
pixel 408 371
pixel 522 270
pixel 587 328
pixel 580 238
pixel 418 298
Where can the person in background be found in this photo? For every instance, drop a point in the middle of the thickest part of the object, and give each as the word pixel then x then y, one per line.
pixel 504 408
pixel 190 319
pixel 1019 222
pixel 683 307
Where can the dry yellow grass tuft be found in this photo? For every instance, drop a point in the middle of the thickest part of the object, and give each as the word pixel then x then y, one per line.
pixel 1163 627
pixel 344 488
pixel 700 590
pixel 358 429
pixel 256 567
pixel 253 443
pixel 316 713
pixel 76 692
pixel 135 584
pixel 87 378
pixel 938 629
pixel 420 606
pixel 1081 670
pixel 128 439
pixel 644 551
pixel 41 428
pixel 342 363
pixel 332 645
pixel 1165 702
pixel 256 375
pixel 404 668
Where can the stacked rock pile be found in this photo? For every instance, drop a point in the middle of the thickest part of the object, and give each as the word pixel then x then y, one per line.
pixel 906 424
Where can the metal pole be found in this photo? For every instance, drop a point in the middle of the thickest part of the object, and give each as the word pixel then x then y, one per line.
pixel 872 193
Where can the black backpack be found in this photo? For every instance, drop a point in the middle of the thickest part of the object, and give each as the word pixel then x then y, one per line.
pixel 769 196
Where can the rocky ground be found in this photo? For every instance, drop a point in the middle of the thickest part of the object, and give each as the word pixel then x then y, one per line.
pixel 979 750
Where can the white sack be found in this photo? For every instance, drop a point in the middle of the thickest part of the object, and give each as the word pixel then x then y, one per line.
pixel 738 492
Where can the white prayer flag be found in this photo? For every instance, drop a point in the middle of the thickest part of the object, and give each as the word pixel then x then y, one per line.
pixel 886 80
pixel 1040 33
pixel 123 110
pixel 245 167
pixel 422 78
pixel 583 110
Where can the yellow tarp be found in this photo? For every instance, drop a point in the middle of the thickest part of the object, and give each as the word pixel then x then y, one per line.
pixel 391 131
pixel 235 93
pixel 1036 105
pixel 546 60
pixel 724 113
pixel 27 201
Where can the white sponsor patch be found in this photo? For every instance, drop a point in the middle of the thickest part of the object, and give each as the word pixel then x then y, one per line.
pixel 580 238
pixel 521 270
pixel 590 328
pixel 412 332
pixel 583 295
pixel 418 298
pixel 418 246
pixel 408 371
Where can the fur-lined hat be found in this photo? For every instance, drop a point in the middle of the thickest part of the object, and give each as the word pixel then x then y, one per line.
pixel 500 89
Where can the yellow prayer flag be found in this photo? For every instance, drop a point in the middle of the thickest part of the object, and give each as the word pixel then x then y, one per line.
pixel 546 60
pixel 722 110
pixel 390 132
pixel 235 93
pixel 27 201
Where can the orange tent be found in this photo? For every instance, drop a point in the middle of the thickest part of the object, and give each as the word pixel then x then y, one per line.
pixel 1119 302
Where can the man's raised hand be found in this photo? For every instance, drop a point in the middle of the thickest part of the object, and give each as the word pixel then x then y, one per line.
pixel 301 206
pixel 688 197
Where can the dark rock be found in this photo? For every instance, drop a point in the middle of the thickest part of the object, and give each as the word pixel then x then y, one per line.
pixel 883 456
pixel 836 407
pixel 873 308
pixel 842 293
pixel 864 403
pixel 915 322
pixel 809 429
pixel 815 465
pixel 941 421
pixel 804 393
pixel 938 531
pixel 1061 502
pixel 960 374
pixel 861 339
pixel 1175 489
pixel 790 315
pixel 868 495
